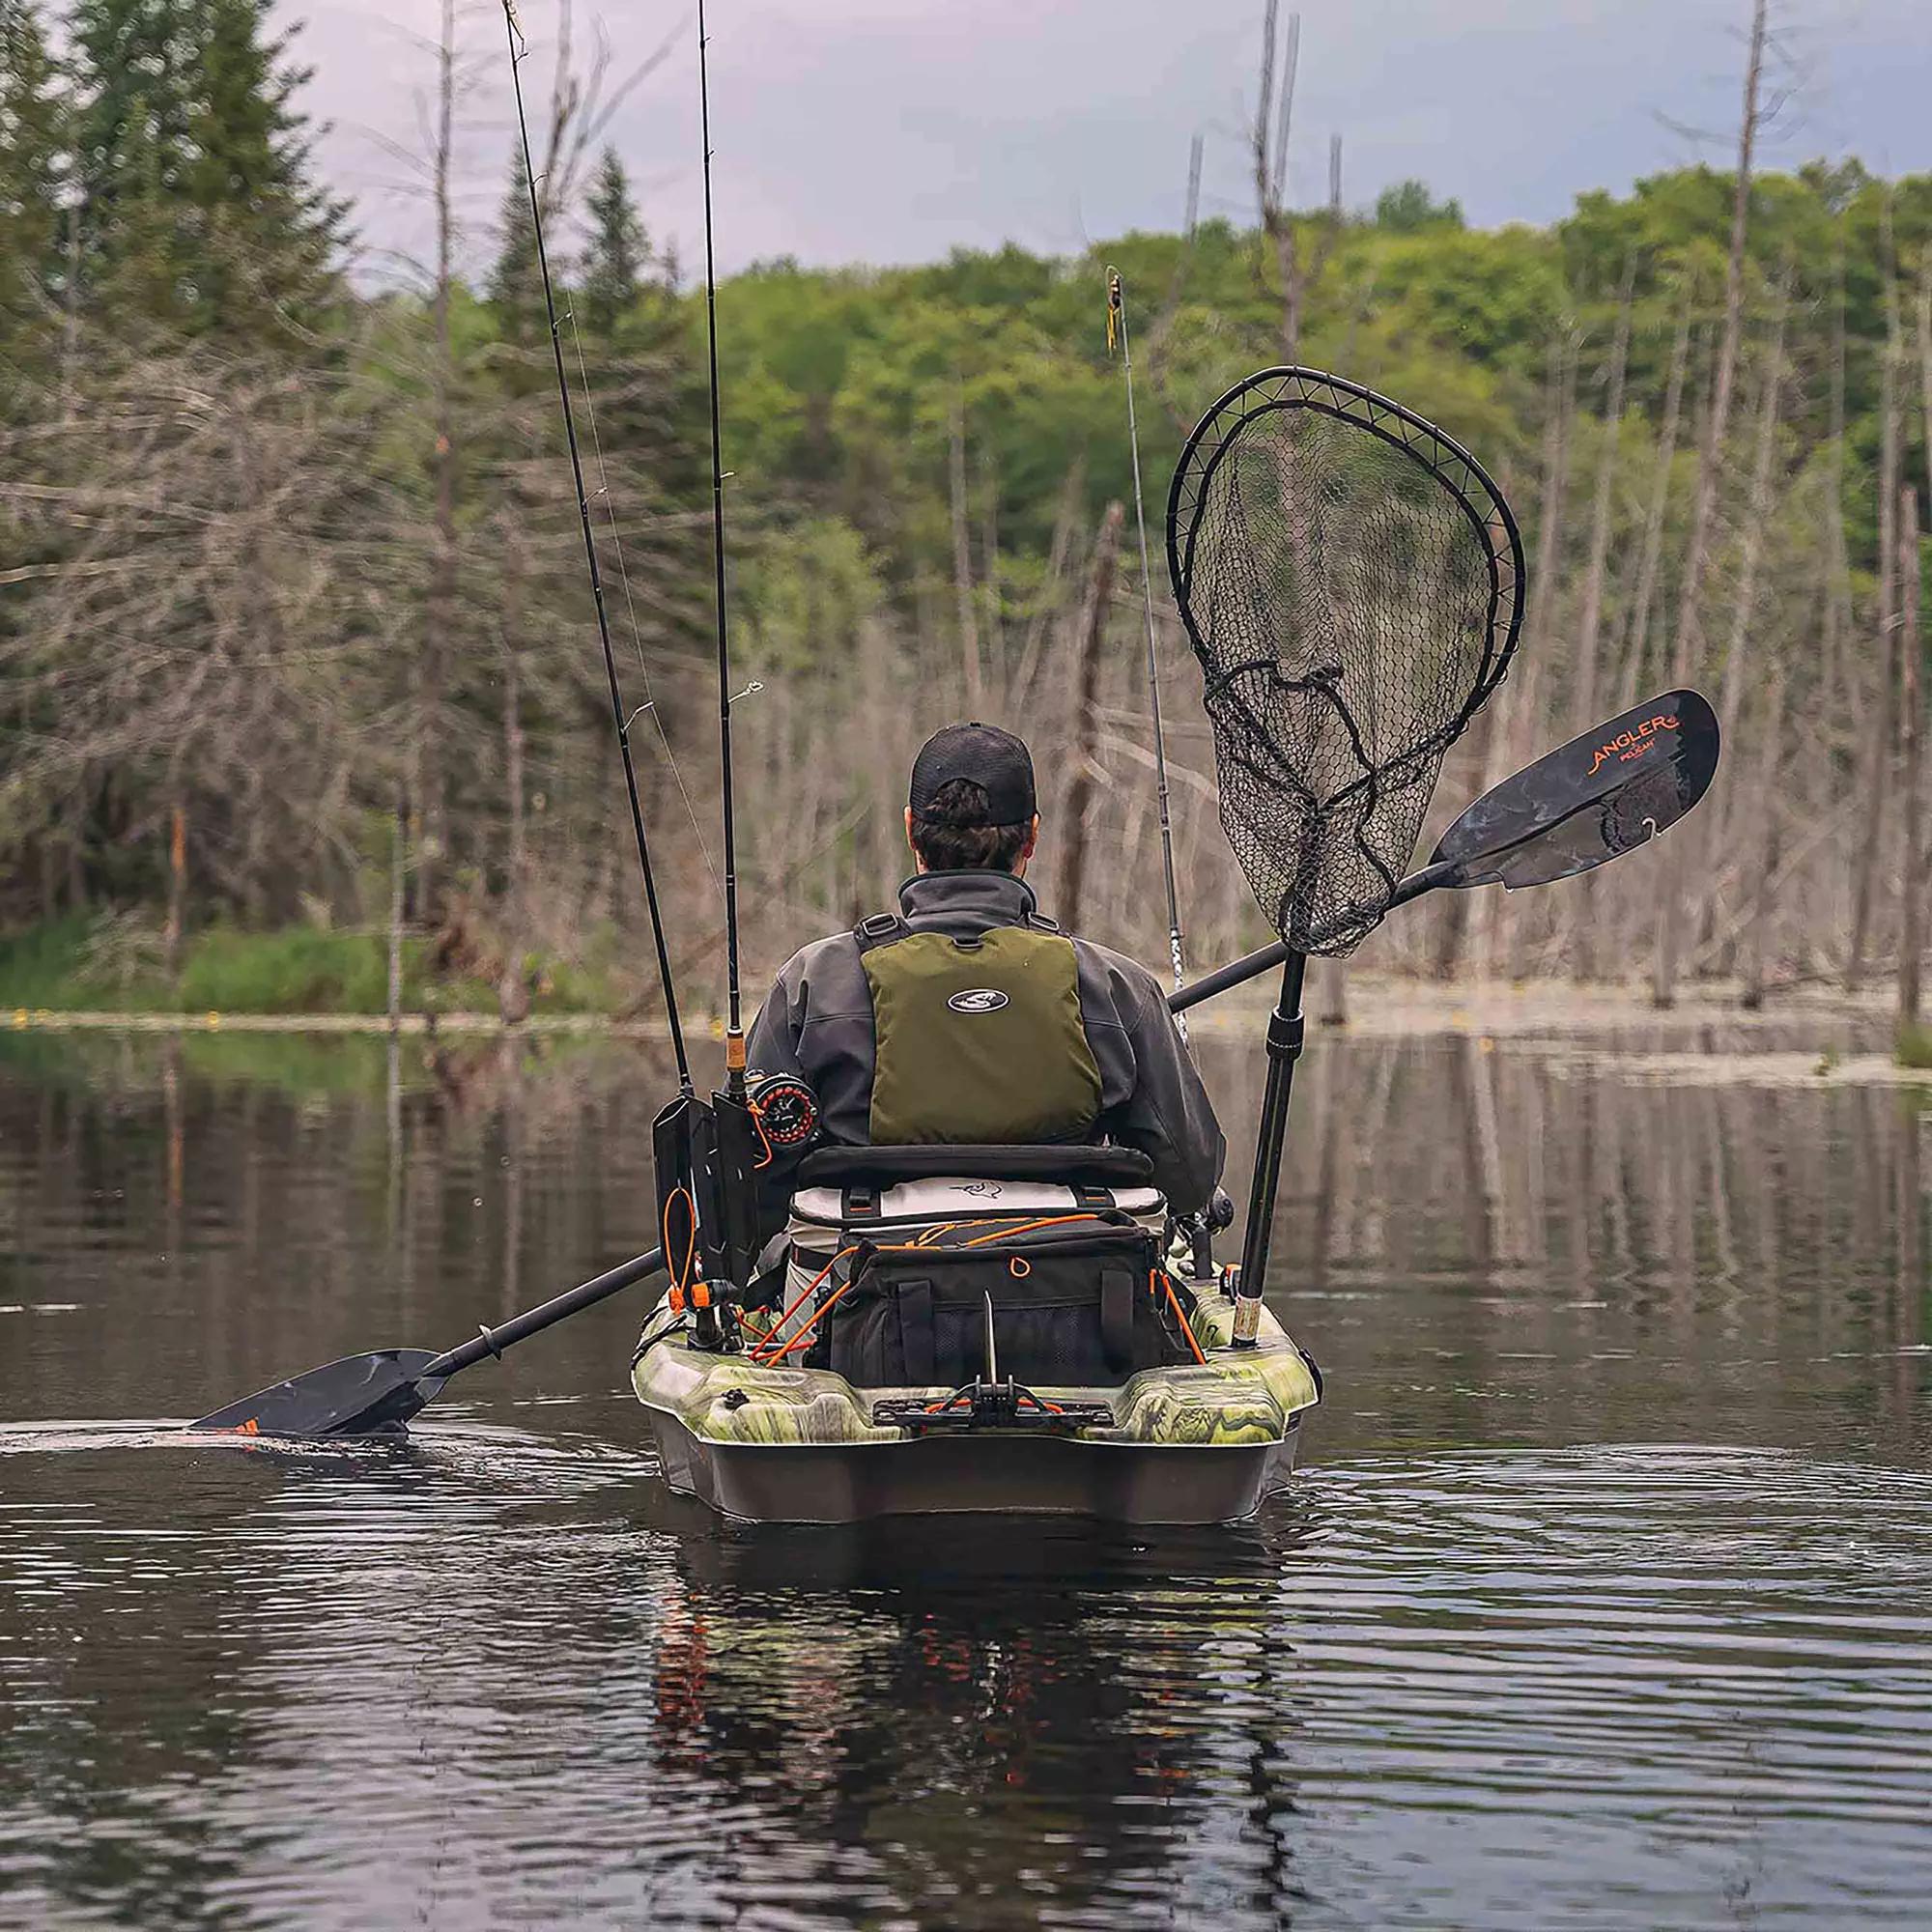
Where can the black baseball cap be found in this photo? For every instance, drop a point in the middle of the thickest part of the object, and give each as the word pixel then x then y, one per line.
pixel 994 761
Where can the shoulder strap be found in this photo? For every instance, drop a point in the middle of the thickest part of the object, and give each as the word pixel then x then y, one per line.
pixel 886 928
pixel 881 928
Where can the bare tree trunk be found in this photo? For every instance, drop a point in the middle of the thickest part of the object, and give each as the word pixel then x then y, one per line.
pixel 1330 992
pixel 1452 935
pixel 1039 625
pixel 1881 728
pixel 70 313
pixel 1911 911
pixel 1590 618
pixel 1545 604
pixel 1926 357
pixel 398 855
pixel 1085 764
pixel 1838 601
pixel 1520 729
pixel 1269 150
pixel 1762 888
pixel 76 857
pixel 1651 555
pixel 1758 516
pixel 171 936
pixel 1683 651
pixel 962 557
pixel 989 567
pixel 438 613
pixel 513 775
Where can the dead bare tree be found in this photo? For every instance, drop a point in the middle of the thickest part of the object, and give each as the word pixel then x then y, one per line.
pixel 1589 619
pixel 970 670
pixel 1911 901
pixel 1077 805
pixel 1880 726
pixel 1298 268
pixel 1704 493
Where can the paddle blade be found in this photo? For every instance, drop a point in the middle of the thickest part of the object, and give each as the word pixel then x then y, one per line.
pixel 360 1395
pixel 1599 796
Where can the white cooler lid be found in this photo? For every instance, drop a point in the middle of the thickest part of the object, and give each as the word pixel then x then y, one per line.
pixel 941 1200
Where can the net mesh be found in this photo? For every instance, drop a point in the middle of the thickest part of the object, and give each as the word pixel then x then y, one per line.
pixel 1350 580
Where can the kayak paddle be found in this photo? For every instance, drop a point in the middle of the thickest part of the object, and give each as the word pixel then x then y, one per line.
pixel 376 1394
pixel 1577 807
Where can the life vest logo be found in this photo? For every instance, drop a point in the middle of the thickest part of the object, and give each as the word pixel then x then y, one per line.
pixel 1633 744
pixel 978 1000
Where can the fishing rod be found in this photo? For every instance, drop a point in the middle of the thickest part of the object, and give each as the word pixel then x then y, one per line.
pixel 735 1022
pixel 519 48
pixel 708 1153
pixel 1117 320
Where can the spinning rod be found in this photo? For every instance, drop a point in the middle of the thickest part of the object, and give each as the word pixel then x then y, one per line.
pixel 1117 321
pixel 519 48
pixel 734 1024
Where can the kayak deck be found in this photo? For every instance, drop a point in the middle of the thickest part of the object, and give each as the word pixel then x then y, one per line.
pixel 1188 1444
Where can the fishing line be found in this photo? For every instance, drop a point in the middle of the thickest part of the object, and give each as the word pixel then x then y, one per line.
pixel 734 1026
pixel 650 702
pixel 519 49
pixel 1117 320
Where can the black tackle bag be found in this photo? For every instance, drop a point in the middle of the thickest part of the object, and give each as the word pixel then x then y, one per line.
pixel 1083 1305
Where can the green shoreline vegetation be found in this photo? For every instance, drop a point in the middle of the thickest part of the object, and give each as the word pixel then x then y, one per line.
pixel 78 965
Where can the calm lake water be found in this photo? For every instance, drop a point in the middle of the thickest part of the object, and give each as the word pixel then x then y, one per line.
pixel 1604 1599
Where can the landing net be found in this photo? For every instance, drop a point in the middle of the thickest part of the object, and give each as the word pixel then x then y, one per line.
pixel 1350 580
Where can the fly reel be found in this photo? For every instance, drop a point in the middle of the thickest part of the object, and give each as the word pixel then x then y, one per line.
pixel 785 1109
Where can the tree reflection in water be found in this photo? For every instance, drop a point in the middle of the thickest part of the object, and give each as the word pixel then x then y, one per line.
pixel 1500 1659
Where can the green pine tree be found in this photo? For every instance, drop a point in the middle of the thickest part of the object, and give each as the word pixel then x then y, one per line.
pixel 33 161
pixel 202 212
pixel 619 255
pixel 516 282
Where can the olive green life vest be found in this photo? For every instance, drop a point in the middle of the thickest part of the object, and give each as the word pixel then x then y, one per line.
pixel 978 1041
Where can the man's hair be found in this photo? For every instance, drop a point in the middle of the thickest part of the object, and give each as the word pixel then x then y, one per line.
pixel 951 835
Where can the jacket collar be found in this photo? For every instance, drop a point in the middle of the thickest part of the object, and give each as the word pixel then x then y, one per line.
pixel 979 899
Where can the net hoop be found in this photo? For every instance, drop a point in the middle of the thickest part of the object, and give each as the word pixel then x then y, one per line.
pixel 1291 388
pixel 1494 622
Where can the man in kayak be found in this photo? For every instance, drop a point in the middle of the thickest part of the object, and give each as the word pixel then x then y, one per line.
pixel 967 1016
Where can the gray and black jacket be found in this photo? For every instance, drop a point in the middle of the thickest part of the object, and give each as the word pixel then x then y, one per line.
pixel 966 1017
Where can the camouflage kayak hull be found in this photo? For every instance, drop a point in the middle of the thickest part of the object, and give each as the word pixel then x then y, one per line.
pixel 1187 1445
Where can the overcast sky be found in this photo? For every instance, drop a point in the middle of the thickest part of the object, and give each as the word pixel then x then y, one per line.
pixel 892 130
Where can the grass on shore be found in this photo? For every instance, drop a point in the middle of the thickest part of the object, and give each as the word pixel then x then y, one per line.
pixel 77 964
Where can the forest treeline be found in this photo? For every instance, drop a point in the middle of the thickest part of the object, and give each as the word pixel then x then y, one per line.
pixel 295 629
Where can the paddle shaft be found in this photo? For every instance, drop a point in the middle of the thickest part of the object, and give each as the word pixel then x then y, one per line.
pixel 1252 965
pixel 547 1315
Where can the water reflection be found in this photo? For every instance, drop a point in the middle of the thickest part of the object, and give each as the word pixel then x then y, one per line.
pixel 1488 1240
pixel 1501 1660
pixel 500 1677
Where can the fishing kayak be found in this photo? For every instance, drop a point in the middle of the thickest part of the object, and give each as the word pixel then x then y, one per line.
pixel 761 1434
pixel 1187 1444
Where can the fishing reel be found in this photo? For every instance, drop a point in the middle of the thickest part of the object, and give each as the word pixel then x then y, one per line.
pixel 711 1157
pixel 786 1112
pixel 1191 1237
